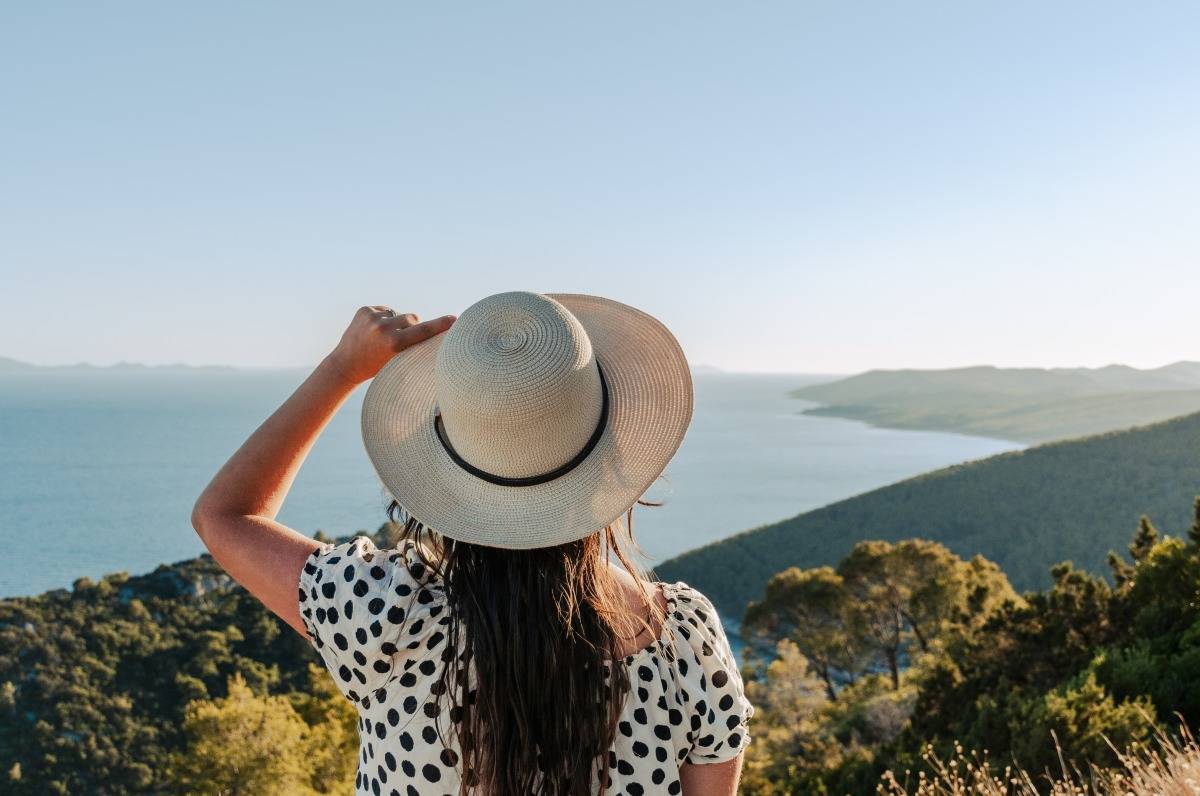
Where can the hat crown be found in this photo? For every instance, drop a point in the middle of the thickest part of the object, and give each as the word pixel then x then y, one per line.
pixel 517 385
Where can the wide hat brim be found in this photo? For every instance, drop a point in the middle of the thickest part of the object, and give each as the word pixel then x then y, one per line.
pixel 650 407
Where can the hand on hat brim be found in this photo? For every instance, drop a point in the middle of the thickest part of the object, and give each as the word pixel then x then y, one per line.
pixel 375 335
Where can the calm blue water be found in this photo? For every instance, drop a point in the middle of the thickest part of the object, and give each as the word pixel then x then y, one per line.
pixel 98 471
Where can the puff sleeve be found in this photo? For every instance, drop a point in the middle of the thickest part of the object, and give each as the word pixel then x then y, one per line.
pixel 720 711
pixel 364 607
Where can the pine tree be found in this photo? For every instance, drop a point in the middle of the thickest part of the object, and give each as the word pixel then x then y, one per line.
pixel 243 744
pixel 1145 539
pixel 1194 533
pixel 1122 572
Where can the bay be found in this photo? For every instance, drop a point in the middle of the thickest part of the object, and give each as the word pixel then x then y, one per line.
pixel 99 468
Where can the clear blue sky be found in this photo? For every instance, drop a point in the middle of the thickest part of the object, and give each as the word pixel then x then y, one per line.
pixel 790 186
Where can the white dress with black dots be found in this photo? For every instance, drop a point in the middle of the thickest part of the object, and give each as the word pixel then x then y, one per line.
pixel 378 620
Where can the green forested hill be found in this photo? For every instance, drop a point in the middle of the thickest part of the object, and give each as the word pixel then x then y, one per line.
pixel 1027 510
pixel 1028 405
pixel 95 683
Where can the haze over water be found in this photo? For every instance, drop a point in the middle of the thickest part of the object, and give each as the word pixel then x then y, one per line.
pixel 98 470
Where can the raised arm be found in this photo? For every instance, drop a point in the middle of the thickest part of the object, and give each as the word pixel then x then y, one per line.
pixel 235 515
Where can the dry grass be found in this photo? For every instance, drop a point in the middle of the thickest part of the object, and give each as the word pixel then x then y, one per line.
pixel 1171 767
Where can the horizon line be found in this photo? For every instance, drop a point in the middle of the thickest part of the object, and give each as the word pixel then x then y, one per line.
pixel 15 364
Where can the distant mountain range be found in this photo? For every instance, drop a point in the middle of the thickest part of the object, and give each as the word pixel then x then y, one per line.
pixel 1026 511
pixel 1021 404
pixel 9 365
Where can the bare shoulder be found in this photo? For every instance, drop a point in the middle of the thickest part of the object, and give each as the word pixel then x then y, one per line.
pixel 648 622
pixel 634 587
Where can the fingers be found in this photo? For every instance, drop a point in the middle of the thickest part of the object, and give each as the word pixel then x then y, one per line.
pixel 414 333
pixel 406 320
pixel 376 312
pixel 386 321
pixel 386 316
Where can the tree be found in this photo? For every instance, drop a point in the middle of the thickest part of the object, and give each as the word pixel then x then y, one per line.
pixel 874 618
pixel 94 681
pixel 332 721
pixel 1144 540
pixel 988 591
pixel 1194 531
pixel 918 589
pixel 789 733
pixel 1084 718
pixel 243 744
pixel 1121 570
pixel 881 596
pixel 810 609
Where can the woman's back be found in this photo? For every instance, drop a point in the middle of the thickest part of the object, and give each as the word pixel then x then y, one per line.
pixel 382 625
pixel 497 646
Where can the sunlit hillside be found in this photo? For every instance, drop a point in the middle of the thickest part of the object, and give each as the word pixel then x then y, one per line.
pixel 1068 501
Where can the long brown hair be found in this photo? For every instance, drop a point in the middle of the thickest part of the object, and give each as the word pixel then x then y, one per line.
pixel 542 631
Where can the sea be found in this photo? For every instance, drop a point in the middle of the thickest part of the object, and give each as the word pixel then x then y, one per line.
pixel 99 468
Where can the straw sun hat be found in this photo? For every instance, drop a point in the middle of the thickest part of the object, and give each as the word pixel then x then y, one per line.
pixel 535 420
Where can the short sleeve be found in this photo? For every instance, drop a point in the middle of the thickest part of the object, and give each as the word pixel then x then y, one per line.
pixel 720 711
pixel 363 607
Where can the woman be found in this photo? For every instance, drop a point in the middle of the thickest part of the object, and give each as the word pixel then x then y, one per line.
pixel 497 648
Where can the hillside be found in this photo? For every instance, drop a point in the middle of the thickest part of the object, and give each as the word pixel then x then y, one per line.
pixel 94 680
pixel 1027 405
pixel 1026 510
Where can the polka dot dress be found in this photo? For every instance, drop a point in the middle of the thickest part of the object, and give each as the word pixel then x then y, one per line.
pixel 378 619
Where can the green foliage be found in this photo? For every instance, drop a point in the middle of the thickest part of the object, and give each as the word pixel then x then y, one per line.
pixel 791 736
pixel 809 609
pixel 95 682
pixel 864 615
pixel 1069 501
pixel 987 689
pixel 1081 669
pixel 179 681
pixel 242 743
pixel 1085 719
pixel 248 743
pixel 1158 652
pixel 332 723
